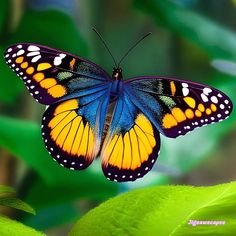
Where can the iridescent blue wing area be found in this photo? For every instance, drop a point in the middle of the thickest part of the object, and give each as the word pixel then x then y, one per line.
pixel 132 143
pixel 176 107
pixel 72 129
pixel 51 75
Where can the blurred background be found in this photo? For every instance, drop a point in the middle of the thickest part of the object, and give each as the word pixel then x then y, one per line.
pixel 191 39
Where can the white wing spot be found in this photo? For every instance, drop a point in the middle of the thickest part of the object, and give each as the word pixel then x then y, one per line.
pixel 31 54
pixel 222 106
pixel 204 97
pixel 185 91
pixel 214 99
pixel 35 59
pixel 21 52
pixel 207 91
pixel 33 48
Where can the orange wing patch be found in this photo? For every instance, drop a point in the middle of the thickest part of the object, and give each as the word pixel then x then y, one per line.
pixel 37 72
pixel 129 150
pixel 177 115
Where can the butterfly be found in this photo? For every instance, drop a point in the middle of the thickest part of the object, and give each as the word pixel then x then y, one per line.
pixel 91 113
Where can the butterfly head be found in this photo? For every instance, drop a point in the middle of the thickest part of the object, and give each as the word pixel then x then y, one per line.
pixel 117 73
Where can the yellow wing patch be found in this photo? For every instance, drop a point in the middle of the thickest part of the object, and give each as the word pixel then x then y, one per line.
pixel 129 150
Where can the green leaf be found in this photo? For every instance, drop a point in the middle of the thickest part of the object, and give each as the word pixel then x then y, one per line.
pixel 6 189
pixel 52 28
pixel 163 210
pixel 213 38
pixel 13 228
pixel 17 204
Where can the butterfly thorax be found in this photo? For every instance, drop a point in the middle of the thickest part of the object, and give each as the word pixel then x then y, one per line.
pixel 117 74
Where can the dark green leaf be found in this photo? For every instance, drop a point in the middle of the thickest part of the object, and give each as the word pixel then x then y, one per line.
pixel 16 203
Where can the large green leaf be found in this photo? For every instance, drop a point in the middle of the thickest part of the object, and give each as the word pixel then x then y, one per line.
pixel 164 210
pixel 213 38
pixel 13 228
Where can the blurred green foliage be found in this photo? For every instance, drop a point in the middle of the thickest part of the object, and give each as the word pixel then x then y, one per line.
pixel 183 44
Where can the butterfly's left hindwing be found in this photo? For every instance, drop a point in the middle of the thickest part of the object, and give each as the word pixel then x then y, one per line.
pixel 132 144
pixel 51 75
pixel 72 129
pixel 176 106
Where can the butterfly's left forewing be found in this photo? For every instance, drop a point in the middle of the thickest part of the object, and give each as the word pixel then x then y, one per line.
pixel 51 75
pixel 175 106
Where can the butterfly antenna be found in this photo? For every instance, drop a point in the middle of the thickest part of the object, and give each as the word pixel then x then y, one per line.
pixel 145 36
pixel 104 43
